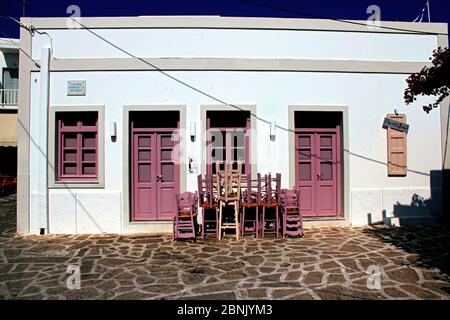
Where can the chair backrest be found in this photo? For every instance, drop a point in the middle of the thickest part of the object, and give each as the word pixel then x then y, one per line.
pixel 186 202
pixel 289 198
pixel 248 194
pixel 228 182
pixel 260 187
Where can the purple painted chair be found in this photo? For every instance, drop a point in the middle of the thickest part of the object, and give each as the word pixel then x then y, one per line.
pixel 270 192
pixel 250 200
pixel 290 209
pixel 207 200
pixel 185 220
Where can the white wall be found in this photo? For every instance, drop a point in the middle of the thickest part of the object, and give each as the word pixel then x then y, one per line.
pixel 204 43
pixel 368 97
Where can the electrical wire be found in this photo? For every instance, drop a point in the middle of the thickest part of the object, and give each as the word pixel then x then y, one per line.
pixel 277 8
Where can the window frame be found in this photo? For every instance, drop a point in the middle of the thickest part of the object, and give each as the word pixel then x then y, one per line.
pixel 55 179
pixel 79 131
pixel 4 69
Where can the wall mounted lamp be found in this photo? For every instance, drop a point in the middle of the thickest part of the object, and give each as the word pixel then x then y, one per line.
pixel 192 130
pixel 113 129
pixel 273 127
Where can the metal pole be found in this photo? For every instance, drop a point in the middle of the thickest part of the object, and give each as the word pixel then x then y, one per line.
pixel 428 8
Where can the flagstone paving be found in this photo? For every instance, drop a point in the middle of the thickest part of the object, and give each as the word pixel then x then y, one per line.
pixel 329 263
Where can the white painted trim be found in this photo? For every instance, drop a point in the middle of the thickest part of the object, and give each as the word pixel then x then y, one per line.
pixel 213 22
pixel 236 64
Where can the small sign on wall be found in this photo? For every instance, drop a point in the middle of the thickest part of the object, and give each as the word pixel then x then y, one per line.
pixel 396 125
pixel 76 87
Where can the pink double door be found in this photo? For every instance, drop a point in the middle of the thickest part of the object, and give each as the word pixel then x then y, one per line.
pixel 318 171
pixel 155 174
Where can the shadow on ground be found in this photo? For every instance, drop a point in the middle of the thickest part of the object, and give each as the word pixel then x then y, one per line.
pixel 429 245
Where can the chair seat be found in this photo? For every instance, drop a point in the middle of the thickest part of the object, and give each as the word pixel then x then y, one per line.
pixel 249 204
pixel 272 203
pixel 206 205
pixel 292 211
pixel 187 214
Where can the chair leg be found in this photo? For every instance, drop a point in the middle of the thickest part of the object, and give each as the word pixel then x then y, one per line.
pixel 277 222
pixel 220 221
pixel 217 223
pixel 173 229
pixel 236 217
pixel 203 223
pixel 256 221
pixel 243 222
pixel 263 221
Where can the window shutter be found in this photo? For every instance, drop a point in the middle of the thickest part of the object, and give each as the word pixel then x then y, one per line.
pixel 396 148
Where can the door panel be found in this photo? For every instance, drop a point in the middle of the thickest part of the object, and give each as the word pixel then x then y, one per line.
pixel 168 174
pixel 144 171
pixel 305 172
pixel 155 175
pixel 317 172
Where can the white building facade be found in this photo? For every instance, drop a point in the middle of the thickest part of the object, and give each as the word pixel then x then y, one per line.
pixel 120 116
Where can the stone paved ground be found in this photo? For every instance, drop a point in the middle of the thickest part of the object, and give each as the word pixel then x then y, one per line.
pixel 329 263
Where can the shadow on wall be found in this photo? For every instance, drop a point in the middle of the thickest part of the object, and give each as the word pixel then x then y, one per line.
pixel 419 207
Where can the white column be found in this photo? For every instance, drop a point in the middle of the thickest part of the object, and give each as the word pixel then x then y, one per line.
pixel 38 152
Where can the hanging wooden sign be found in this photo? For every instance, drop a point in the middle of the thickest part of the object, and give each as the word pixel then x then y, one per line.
pixel 396 125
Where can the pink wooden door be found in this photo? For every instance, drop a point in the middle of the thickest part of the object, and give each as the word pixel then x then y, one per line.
pixel 326 174
pixel 318 172
pixel 155 175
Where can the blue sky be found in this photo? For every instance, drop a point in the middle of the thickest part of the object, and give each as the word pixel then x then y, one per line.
pixel 405 10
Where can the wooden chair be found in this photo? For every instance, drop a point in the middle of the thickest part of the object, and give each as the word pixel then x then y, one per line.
pixel 290 209
pixel 185 220
pixel 270 202
pixel 250 200
pixel 207 200
pixel 228 184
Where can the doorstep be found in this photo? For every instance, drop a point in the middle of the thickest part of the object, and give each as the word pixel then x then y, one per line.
pixel 325 222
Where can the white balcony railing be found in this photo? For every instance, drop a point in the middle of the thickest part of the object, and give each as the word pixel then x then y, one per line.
pixel 9 97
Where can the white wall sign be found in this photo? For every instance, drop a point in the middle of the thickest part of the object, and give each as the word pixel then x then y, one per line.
pixel 396 125
pixel 76 87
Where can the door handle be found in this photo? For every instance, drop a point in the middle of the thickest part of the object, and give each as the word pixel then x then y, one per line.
pixel 159 178
pixel 319 177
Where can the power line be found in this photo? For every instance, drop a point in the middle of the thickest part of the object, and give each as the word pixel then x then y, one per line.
pixel 23 51
pixel 31 29
pixel 269 6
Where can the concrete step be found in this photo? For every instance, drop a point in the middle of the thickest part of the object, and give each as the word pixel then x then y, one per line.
pixel 409 221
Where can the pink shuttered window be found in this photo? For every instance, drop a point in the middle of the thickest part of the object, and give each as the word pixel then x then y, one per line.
pixel 77 141
pixel 396 148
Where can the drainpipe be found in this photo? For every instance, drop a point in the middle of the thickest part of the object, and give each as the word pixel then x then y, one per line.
pixel 42 163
